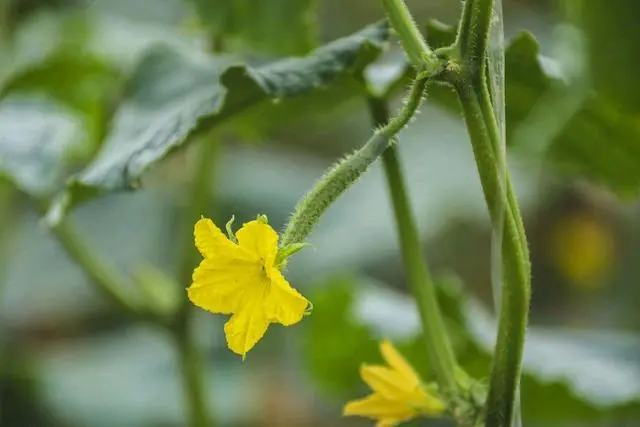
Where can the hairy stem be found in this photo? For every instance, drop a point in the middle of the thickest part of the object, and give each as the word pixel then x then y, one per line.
pixel 439 351
pixel 343 174
pixel 504 211
pixel 412 40
pixel 473 33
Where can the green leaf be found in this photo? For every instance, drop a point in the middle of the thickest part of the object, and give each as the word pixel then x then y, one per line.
pixel 37 140
pixel 80 83
pixel 568 374
pixel 551 114
pixel 611 27
pixel 172 95
pixel 275 26
pixel 590 138
pixel 334 358
pixel 54 102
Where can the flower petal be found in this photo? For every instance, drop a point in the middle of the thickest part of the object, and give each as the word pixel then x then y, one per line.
pixel 223 284
pixel 210 241
pixel 389 383
pixel 376 406
pixel 260 239
pixel 397 362
pixel 283 304
pixel 247 326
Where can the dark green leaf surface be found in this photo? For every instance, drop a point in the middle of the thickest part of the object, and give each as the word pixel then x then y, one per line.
pixel 171 95
pixel 275 26
pixel 611 27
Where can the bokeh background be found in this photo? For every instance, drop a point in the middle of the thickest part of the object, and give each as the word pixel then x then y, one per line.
pixel 68 358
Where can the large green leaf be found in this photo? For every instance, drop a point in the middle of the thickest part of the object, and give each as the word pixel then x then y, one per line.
pixel 171 95
pixel 55 97
pixel 568 374
pixel 37 140
pixel 275 26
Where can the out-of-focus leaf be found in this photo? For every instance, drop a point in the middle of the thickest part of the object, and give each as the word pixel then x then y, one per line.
pixel 613 39
pixel 37 139
pixel 334 358
pixel 275 26
pixel 586 135
pixel 79 82
pixel 171 95
pixel 129 378
pixel 356 308
pixel 569 374
pixel 599 141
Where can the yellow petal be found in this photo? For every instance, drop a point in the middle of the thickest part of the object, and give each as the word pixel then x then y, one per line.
pixel 376 406
pixel 210 241
pixel 223 284
pixel 397 362
pixel 283 304
pixel 389 383
pixel 260 239
pixel 247 326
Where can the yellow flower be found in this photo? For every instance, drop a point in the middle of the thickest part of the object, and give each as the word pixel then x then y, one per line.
pixel 242 279
pixel 398 393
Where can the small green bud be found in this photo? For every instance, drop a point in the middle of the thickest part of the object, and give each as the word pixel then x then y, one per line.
pixel 230 233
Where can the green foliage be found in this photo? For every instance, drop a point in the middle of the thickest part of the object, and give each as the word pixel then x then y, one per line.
pixel 568 374
pixel 334 358
pixel 597 141
pixel 613 39
pixel 38 139
pixel 550 114
pixel 168 96
pixel 274 26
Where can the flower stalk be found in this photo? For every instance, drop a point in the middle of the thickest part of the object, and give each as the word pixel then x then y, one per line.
pixel 439 351
pixel 347 171
pixel 470 83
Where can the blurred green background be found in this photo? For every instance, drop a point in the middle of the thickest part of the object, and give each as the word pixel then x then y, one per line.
pixel 77 73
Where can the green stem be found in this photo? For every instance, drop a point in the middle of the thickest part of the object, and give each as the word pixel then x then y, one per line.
pixel 499 195
pixel 201 184
pixel 473 33
pixel 193 378
pixel 343 174
pixel 439 351
pixel 412 40
pixel 190 364
pixel 107 278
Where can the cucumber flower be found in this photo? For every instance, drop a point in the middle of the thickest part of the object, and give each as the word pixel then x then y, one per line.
pixel 398 393
pixel 240 275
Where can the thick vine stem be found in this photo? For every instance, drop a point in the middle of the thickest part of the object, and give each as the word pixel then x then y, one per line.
pixel 467 73
pixel 473 34
pixel 346 172
pixel 440 353
pixel 504 212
